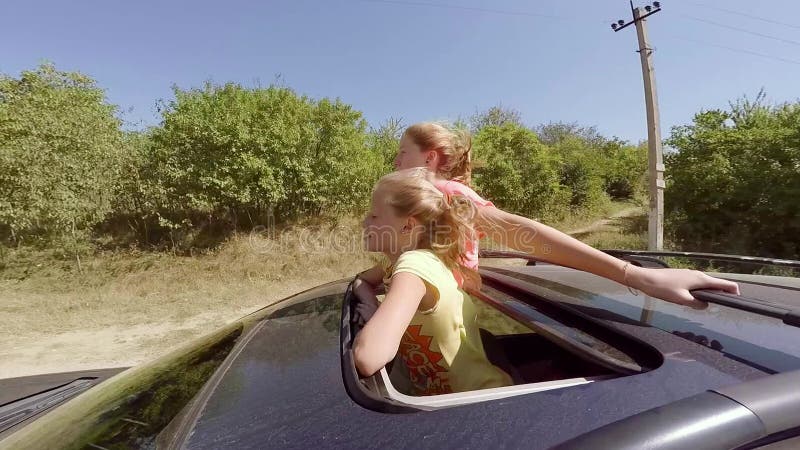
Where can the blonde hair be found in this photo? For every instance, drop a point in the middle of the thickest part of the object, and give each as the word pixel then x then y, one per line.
pixel 454 146
pixel 448 221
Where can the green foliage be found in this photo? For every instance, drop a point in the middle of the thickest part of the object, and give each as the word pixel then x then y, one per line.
pixel 258 152
pixel 59 155
pixel 227 157
pixel 556 168
pixel 518 172
pixel 623 169
pixel 496 116
pixel 554 133
pixel 385 140
pixel 734 181
pixel 581 172
pixel 141 194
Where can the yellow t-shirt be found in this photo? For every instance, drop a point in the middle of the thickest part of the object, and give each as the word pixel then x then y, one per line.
pixel 442 347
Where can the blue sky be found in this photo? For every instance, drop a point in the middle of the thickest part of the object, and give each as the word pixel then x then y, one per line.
pixel 551 60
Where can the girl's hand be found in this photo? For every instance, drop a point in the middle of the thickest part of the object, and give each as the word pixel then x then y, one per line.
pixel 673 285
pixel 366 308
pixel 367 300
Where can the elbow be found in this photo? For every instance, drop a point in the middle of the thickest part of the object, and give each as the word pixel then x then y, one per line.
pixel 367 361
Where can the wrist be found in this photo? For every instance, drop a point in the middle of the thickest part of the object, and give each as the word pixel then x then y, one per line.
pixel 635 277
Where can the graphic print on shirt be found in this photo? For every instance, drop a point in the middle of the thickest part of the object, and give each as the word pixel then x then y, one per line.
pixel 425 372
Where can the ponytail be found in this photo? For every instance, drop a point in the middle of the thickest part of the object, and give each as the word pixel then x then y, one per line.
pixel 448 221
pixel 451 234
pixel 454 146
pixel 459 166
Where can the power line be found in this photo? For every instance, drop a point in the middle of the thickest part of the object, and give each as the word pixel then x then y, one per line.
pixel 744 14
pixel 554 17
pixel 738 50
pixel 472 9
pixel 742 30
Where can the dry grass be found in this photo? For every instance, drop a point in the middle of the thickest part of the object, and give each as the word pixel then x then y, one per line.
pixel 620 225
pixel 248 271
pixel 627 229
pixel 172 289
pixel 141 304
pixel 583 219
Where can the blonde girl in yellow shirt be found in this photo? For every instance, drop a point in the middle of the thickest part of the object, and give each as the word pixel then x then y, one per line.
pixel 425 318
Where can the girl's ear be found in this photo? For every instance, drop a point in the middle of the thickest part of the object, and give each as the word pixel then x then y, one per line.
pixel 409 225
pixel 432 158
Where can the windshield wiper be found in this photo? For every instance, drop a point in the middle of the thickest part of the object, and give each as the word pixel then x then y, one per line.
pixel 23 409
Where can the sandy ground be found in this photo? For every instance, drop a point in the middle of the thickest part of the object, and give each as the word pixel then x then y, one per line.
pixel 104 348
pixel 597 226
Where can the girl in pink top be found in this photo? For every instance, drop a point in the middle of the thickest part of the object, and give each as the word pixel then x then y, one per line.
pixel 447 153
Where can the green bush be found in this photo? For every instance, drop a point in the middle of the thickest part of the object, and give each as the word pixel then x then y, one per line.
pixel 734 181
pixel 227 157
pixel 60 152
pixel 253 152
pixel 620 167
pixel 384 141
pixel 518 172
pixel 623 169
pixel 581 172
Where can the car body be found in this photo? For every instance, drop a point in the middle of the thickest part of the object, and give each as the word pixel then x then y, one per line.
pixel 596 366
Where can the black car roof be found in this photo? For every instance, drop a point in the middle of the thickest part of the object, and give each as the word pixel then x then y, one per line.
pixel 282 382
pixel 760 340
pixel 284 388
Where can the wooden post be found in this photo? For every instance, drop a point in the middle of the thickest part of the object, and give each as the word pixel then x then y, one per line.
pixel 655 227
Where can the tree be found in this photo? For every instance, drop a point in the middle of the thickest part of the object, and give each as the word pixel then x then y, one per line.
pixel 554 132
pixel 519 173
pixel 581 170
pixel 59 154
pixel 265 150
pixel 142 194
pixel 495 116
pixel 734 180
pixel 623 169
pixel 385 140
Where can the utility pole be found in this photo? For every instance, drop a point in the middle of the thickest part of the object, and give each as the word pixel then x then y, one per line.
pixel 655 227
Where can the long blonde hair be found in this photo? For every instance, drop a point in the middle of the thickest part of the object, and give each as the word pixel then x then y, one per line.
pixel 454 146
pixel 448 221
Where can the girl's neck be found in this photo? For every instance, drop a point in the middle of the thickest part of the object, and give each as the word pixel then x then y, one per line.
pixel 393 257
pixel 438 177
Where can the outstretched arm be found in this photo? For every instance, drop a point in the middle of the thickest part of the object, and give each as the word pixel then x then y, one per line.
pixel 549 244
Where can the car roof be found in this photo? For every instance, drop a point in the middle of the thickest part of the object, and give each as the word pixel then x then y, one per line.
pixel 284 387
pixel 763 341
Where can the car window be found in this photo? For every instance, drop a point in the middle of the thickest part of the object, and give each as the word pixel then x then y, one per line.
pixel 496 322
